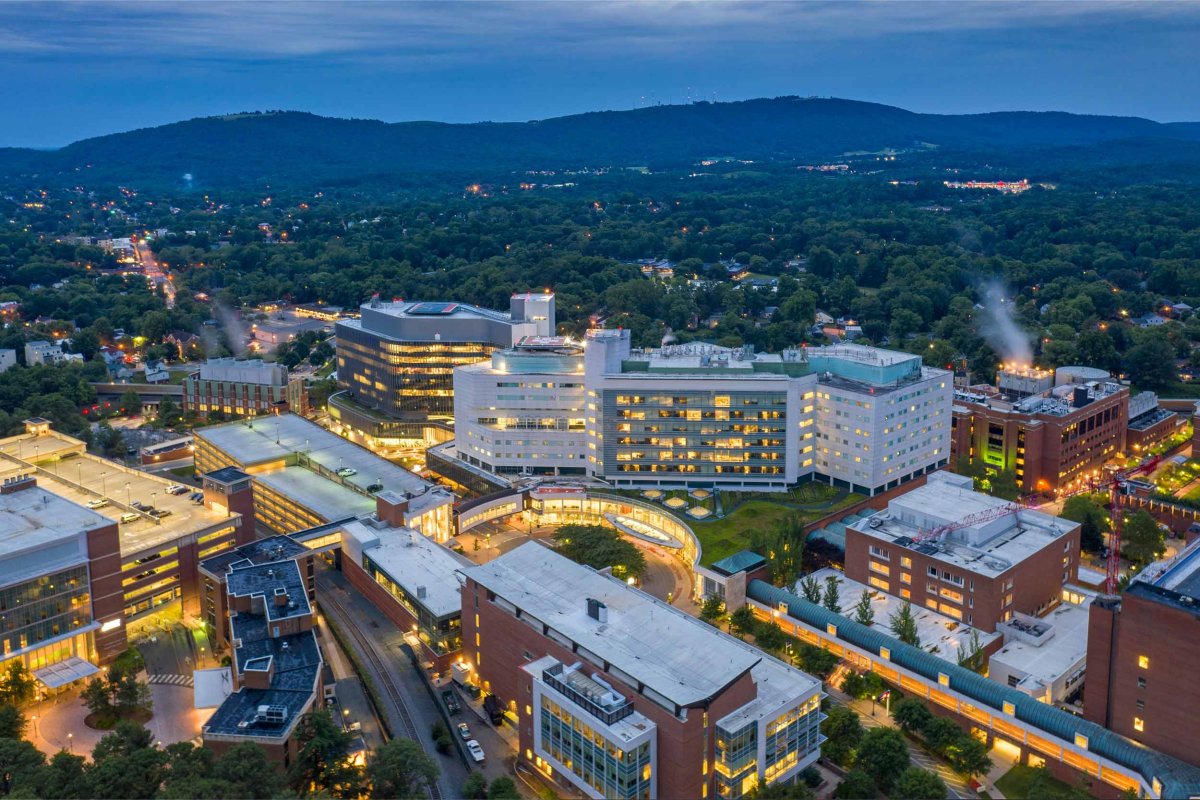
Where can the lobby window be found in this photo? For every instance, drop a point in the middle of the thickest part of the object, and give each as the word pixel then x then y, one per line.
pixel 1144 662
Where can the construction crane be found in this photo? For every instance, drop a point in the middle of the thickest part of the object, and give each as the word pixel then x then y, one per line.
pixel 1115 485
pixel 978 518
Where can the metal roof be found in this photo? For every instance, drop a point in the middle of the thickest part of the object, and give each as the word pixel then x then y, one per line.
pixel 1179 779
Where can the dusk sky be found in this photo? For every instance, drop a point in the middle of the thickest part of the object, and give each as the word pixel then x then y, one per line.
pixel 74 70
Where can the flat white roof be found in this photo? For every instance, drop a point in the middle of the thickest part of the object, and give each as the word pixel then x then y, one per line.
pixel 985 540
pixel 282 437
pixel 33 519
pixel 413 561
pixel 941 635
pixel 675 655
pixel 328 499
pixel 1059 654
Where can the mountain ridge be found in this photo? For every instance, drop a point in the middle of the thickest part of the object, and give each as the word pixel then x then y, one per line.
pixel 295 145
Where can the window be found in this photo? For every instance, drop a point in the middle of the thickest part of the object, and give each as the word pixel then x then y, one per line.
pixel 905 561
pixel 1139 724
pixel 1144 662
pixel 1141 683
pixel 1141 705
pixel 879 553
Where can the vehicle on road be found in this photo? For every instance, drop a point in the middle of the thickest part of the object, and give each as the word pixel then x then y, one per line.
pixel 493 708
pixel 99 502
pixel 129 516
pixel 451 701
pixel 346 472
pixel 464 731
pixel 476 751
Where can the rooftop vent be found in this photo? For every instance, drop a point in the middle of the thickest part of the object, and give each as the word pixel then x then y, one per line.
pixel 597 610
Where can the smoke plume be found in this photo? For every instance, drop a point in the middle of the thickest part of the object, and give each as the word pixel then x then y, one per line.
pixel 1000 329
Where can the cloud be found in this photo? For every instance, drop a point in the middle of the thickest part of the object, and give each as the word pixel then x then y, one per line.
pixel 470 30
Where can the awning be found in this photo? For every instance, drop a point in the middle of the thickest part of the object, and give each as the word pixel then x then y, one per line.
pixel 65 671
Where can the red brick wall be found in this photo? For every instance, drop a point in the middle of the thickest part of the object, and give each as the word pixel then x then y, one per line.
pixel 108 599
pixel 1037 580
pixel 1170 638
pixel 398 614
pixel 506 643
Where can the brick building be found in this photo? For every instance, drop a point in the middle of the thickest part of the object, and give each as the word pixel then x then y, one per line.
pixel 1053 430
pixel 245 388
pixel 1142 649
pixel 276 665
pixel 668 706
pixel 964 554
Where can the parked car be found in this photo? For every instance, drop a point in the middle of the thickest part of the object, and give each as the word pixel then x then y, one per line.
pixel 476 751
pixel 176 488
pixel 129 516
pixel 346 472
pixel 451 701
pixel 464 731
pixel 99 502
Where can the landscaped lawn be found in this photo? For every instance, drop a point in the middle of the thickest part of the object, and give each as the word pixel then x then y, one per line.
pixel 1015 783
pixel 724 537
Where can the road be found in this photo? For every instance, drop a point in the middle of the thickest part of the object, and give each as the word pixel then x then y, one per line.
pixel 154 272
pixel 408 705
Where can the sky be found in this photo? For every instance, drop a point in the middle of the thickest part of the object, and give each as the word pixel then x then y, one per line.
pixel 75 70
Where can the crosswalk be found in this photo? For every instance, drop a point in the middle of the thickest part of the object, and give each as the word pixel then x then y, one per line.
pixel 174 680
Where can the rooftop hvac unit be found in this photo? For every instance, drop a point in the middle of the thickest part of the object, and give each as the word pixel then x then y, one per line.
pixel 275 714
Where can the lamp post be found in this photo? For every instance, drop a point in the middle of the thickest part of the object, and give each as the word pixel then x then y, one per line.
pixel 103 482
pixel 127 496
pixel 71 742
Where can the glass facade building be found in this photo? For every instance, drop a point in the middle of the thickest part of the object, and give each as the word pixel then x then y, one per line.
pixel 750 752
pixel 442 634
pixel 44 608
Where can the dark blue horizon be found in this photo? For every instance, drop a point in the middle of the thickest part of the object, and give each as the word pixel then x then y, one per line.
pixel 77 70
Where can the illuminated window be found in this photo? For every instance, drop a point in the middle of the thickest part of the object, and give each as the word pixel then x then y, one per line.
pixel 1144 662
pixel 1139 724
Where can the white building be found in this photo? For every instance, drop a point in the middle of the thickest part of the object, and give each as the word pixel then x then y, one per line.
pixel 43 352
pixel 8 358
pixel 882 417
pixel 522 412
pixel 697 414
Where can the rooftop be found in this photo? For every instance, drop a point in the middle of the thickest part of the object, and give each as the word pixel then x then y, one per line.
pixel 40 533
pixel 414 562
pixel 1063 651
pixel 284 438
pixel 656 644
pixel 80 478
pixel 979 533
pixel 329 499
pixel 706 359
pixel 268 581
pixel 261 551
pixel 940 635
pixel 1174 580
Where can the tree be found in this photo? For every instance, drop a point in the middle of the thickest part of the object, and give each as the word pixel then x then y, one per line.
pixel 911 714
pixel 245 766
pixel 1152 365
pixel 600 547
pixel 401 769
pixel 1093 521
pixel 904 625
pixel 770 636
pixel 863 613
pixel 811 589
pixel 63 776
pixel 854 685
pixel 12 722
pixel 503 788
pixel 793 790
pixel 97 698
pixel 130 694
pixel 19 760
pixel 475 787
pixel 973 657
pixel 816 661
pixel 883 755
pixel 1142 541
pixel 918 784
pixel 713 610
pixel 940 733
pixel 131 401
pixel 968 755
pixel 843 732
pixel 321 764
pixel 169 414
pixel 831 598
pixel 18 686
pixel 742 621
pixel 857 785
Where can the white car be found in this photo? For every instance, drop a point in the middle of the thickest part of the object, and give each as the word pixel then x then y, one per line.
pixel 98 502
pixel 476 751
pixel 346 472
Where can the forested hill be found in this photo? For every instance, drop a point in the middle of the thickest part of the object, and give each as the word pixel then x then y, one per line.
pixel 284 147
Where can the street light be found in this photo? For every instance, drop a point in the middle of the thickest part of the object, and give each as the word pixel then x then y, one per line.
pixel 71 742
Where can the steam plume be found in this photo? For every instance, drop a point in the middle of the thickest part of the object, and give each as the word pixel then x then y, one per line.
pixel 1000 329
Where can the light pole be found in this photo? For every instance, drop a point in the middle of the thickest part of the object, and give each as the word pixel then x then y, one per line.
pixel 103 482
pixel 127 500
pixel 71 742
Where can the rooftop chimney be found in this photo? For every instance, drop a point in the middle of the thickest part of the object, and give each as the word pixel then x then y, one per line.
pixel 281 597
pixel 597 610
